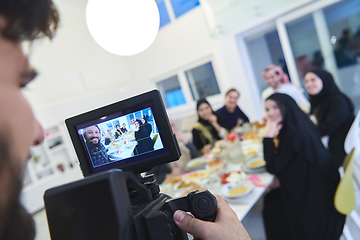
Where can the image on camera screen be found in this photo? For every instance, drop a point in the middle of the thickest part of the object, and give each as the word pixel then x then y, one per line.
pixel 119 137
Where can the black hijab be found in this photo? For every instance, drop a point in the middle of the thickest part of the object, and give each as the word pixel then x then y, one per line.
pixel 142 132
pixel 206 122
pixel 147 125
pixel 329 89
pixel 301 134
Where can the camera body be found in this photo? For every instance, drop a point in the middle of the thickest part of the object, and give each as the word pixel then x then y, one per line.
pixel 118 205
pixel 114 201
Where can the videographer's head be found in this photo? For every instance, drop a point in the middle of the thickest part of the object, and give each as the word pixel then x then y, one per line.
pixel 20 20
pixel 92 135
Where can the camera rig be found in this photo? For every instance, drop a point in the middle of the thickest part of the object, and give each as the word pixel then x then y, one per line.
pixel 118 205
pixel 114 201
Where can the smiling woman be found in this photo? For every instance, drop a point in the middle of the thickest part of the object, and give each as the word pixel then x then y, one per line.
pixel 333 110
pixel 307 174
pixel 208 129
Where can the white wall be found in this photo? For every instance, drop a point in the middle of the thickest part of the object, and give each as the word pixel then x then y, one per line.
pixel 183 43
pixel 76 75
pixel 72 66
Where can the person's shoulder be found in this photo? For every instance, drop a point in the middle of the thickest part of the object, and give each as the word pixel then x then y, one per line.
pixel 338 99
pixel 198 127
pixel 267 92
pixel 221 110
pixel 290 86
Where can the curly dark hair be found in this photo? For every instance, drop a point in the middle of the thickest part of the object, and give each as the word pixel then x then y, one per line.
pixel 28 19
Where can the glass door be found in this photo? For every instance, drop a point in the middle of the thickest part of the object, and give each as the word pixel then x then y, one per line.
pixel 325 34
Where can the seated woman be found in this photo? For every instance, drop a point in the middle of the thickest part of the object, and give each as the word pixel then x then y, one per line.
pixel 208 129
pixel 331 110
pixel 302 206
pixel 109 136
pixel 144 142
pixel 118 132
pixel 231 114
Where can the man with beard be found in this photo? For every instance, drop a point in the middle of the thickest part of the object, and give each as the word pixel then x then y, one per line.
pixel 97 151
pixel 24 20
pixel 20 21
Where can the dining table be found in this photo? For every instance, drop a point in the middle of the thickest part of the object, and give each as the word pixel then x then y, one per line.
pixel 122 147
pixel 233 158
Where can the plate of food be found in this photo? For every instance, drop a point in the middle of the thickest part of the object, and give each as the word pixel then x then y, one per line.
pixel 232 177
pixel 216 162
pixel 196 175
pixel 251 149
pixel 216 152
pixel 191 188
pixel 196 164
pixel 255 163
pixel 250 135
pixel 173 180
pixel 237 189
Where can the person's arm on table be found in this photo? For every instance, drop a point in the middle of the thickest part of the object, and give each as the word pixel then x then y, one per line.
pixel 226 226
pixel 221 130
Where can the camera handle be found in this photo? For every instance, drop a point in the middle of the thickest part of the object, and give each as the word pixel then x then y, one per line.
pixel 202 205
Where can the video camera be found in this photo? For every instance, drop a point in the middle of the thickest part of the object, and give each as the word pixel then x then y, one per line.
pixel 114 201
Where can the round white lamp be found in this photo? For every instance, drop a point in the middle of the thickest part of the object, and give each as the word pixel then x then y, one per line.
pixel 123 27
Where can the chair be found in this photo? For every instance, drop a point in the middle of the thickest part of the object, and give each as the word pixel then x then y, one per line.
pixel 345 200
pixel 352 139
pixel 154 139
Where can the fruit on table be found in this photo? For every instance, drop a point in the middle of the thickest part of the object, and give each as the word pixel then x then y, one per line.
pixel 231 137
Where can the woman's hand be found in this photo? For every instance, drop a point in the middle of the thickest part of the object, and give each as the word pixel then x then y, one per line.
pixel 271 128
pixel 226 226
pixel 275 184
pixel 207 149
pixel 212 119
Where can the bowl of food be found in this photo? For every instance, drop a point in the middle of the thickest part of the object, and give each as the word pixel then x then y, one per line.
pixel 251 149
pixel 237 189
pixel 196 164
pixel 255 163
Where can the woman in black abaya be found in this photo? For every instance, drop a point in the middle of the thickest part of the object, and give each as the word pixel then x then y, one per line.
pixel 147 125
pixel 143 139
pixel 333 110
pixel 301 207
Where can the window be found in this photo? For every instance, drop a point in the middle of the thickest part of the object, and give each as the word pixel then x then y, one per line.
pixel 171 92
pixel 182 6
pixel 329 38
pixel 164 15
pixel 265 49
pixel 202 81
